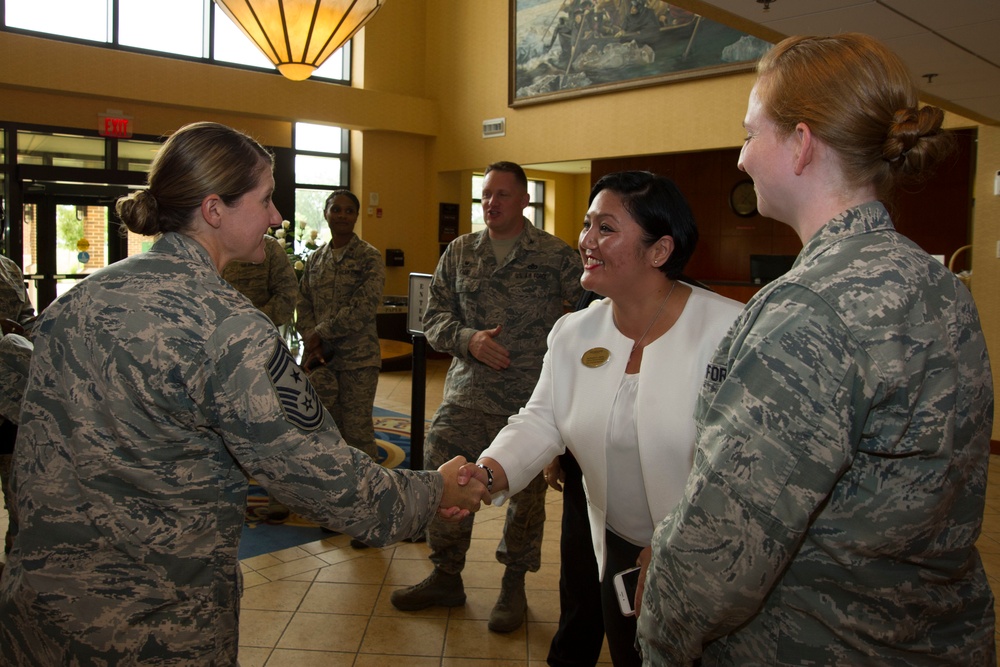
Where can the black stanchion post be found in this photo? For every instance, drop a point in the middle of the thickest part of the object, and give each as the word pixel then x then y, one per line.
pixel 416 305
pixel 418 399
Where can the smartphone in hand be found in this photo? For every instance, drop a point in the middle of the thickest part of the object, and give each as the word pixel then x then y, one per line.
pixel 626 583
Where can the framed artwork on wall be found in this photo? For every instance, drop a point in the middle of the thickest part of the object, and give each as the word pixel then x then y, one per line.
pixel 568 48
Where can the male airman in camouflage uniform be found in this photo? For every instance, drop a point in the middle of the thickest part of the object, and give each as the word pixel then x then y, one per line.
pixel 271 285
pixel 131 515
pixel 840 474
pixel 493 299
pixel 339 295
pixel 15 358
pixel 17 316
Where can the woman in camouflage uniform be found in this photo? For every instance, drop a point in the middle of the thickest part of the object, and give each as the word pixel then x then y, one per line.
pixel 339 294
pixel 839 480
pixel 155 390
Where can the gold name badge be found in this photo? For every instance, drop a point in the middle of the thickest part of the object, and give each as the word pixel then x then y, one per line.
pixel 595 356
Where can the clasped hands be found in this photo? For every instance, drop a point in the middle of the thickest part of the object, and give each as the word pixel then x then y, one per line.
pixel 463 496
pixel 10 326
pixel 312 352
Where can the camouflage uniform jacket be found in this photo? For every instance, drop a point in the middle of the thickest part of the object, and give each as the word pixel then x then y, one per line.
pixel 840 473
pixel 155 390
pixel 271 285
pixel 534 286
pixel 339 300
pixel 14 302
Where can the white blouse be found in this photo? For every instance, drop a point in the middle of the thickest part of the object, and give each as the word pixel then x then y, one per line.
pixel 628 509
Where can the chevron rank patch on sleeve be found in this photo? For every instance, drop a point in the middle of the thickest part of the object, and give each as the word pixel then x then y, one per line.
pixel 296 395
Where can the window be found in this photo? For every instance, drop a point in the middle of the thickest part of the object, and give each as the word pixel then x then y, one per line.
pixel 232 46
pixel 60 150
pixel 321 166
pixel 83 19
pixel 535 211
pixel 135 155
pixel 181 28
pixel 171 26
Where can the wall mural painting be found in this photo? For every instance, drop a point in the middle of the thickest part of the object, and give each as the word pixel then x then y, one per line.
pixel 566 48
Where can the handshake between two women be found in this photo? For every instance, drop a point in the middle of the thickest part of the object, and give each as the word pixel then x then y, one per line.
pixel 462 496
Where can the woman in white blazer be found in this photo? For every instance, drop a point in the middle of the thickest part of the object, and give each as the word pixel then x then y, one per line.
pixel 632 432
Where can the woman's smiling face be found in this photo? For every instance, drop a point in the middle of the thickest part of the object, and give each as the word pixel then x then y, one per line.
pixel 611 247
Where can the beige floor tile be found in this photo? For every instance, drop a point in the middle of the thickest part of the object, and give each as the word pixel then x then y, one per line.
pixel 547 578
pixel 405 636
pixel 340 598
pixel 478 604
pixel 287 569
pixel 411 551
pixel 605 654
pixel 262 629
pixel 539 638
pixel 250 656
pixel 489 530
pixel 290 554
pixel 275 596
pixel 550 549
pixel 481 549
pixel 484 662
pixel 319 547
pixel 370 660
pixel 295 658
pixel 324 632
pixel 408 572
pixel 543 604
pixel 308 575
pixel 252 579
pixel 361 570
pixel 260 562
pixel 472 639
pixel 483 574
pixel 339 555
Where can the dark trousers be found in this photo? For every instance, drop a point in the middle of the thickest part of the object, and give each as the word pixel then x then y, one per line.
pixel 8 434
pixel 578 640
pixel 620 629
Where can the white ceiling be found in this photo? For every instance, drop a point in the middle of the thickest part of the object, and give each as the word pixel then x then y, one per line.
pixel 956 40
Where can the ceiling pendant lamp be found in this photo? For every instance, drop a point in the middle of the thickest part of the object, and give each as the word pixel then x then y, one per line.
pixel 298 35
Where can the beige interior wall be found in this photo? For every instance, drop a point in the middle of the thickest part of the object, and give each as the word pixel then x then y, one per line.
pixel 677 117
pixel 394 168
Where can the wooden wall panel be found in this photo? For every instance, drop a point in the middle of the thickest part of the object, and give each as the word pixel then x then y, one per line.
pixel 935 215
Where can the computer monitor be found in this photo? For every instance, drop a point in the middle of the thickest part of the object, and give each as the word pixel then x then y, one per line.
pixel 765 268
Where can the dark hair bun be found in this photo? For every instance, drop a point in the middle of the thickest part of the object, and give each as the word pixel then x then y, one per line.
pixel 138 211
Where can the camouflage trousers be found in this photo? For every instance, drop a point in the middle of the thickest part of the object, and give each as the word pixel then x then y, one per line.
pixel 349 396
pixel 457 431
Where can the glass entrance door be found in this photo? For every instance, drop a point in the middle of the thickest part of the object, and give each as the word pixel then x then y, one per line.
pixel 67 236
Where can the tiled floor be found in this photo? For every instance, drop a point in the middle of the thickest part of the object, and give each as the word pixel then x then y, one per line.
pixel 326 604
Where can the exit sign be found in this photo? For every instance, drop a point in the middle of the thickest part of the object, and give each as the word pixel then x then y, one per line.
pixel 117 126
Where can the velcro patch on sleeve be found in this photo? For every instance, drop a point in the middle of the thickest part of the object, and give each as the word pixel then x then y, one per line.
pixel 298 398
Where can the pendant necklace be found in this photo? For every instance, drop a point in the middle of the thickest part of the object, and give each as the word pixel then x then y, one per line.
pixel 653 321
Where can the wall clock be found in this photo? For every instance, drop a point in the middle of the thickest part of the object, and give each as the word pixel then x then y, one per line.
pixel 743 199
